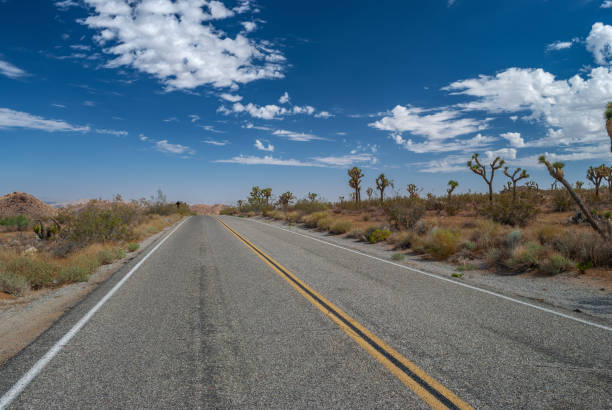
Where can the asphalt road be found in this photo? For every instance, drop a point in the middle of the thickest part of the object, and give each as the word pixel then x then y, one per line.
pixel 205 322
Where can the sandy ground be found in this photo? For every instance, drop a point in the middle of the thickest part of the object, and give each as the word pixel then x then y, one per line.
pixel 589 294
pixel 23 319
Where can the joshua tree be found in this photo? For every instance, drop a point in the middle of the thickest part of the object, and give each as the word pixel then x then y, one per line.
pixel 369 193
pixel 312 196
pixel 413 190
pixel 240 203
pixel 515 177
pixel 596 175
pixel 608 117
pixel 267 194
pixel 579 185
pixel 285 200
pixel 476 167
pixel 451 187
pixel 355 182
pixel 381 184
pixel 556 171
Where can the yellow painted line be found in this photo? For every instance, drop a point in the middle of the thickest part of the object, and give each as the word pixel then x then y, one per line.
pixel 426 387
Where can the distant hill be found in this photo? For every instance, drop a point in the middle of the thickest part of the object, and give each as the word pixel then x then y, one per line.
pixel 20 203
pixel 202 209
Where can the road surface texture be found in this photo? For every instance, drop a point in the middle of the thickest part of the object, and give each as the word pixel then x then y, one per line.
pixel 205 322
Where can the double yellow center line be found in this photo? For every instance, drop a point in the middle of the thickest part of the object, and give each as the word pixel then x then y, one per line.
pixel 425 386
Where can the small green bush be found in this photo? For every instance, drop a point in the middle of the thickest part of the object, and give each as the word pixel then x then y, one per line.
pixel 404 213
pixel 562 201
pixel 341 227
pixel 108 256
pixel 12 284
pixel 508 212
pixel 513 238
pixel 555 264
pixel 468 245
pixel 133 247
pixel 19 222
pixel 442 243
pixel 378 235
pixel 397 256
pixel 37 272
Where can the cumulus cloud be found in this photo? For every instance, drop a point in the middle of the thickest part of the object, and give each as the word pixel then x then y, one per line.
pixel 434 124
pixel 284 99
pixel 514 138
pixel 559 45
pixel 262 147
pixel 323 114
pixel 606 4
pixel 249 26
pixel 479 141
pixel 176 42
pixel 18 119
pixel 266 112
pixel 230 97
pixel 168 148
pixel 569 109
pixel 9 70
pixel 599 43
pixel 503 153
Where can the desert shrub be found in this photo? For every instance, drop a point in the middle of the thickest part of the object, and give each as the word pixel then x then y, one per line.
pixel 133 247
pixel 402 240
pixel 279 215
pixel 513 238
pixel 378 235
pixel 230 210
pixel 341 227
pixel 325 223
pixel 487 235
pixel 19 222
pixel 311 221
pixel 109 255
pixel 441 243
pixel 97 223
pixel 13 284
pixel 555 264
pixel 307 206
pixel 549 234
pixel 468 245
pixel 355 234
pixel 451 207
pixel 584 247
pixel 561 200
pixel 523 258
pixel 403 213
pixel 38 272
pixel 293 216
pixel 508 212
pixel 397 256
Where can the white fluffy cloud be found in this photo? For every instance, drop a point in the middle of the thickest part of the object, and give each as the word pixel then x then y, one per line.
pixel 559 45
pixel 168 148
pixel 284 99
pixel 18 119
pixel 606 4
pixel 570 109
pixel 514 138
pixel 230 97
pixel 176 42
pixel 266 112
pixel 297 136
pixel 433 124
pixel 599 42
pixel 262 147
pixel 326 162
pixel 9 70
pixel 470 144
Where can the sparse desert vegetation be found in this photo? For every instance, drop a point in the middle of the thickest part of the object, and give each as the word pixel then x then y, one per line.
pixel 44 247
pixel 523 228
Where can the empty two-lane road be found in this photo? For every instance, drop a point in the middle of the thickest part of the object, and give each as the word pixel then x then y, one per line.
pixel 240 314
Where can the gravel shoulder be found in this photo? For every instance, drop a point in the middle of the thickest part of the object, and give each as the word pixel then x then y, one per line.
pixel 587 295
pixel 23 319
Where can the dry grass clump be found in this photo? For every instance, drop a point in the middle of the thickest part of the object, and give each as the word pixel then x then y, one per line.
pixel 325 223
pixel 341 227
pixel 13 284
pixel 441 243
pixel 154 224
pixel 312 220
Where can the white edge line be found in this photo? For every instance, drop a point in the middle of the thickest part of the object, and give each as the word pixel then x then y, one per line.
pixel 27 378
pixel 432 275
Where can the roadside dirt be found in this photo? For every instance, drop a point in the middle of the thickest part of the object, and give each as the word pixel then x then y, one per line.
pixel 23 319
pixel 589 294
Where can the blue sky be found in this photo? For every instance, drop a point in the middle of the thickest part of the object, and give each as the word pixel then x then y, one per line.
pixel 205 99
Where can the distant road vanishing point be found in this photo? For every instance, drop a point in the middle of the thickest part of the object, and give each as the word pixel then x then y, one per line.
pixel 226 312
